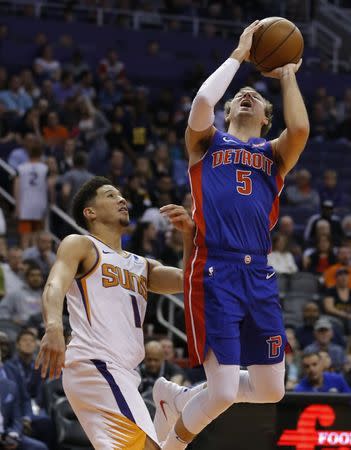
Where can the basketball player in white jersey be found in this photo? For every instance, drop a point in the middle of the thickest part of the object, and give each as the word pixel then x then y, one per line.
pixel 106 290
pixel 31 195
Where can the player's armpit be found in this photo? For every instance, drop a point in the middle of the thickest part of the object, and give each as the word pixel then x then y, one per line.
pixel 288 148
pixel 197 142
pixel 164 279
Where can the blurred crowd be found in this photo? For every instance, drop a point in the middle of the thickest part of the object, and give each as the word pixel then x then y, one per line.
pixel 63 122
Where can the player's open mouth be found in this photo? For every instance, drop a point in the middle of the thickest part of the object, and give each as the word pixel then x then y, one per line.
pixel 123 209
pixel 246 104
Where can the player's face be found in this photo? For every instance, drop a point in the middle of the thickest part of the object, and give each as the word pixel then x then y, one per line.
pixel 249 103
pixel 111 207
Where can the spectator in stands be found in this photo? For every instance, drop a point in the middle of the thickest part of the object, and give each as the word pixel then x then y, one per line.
pixel 19 305
pixel 31 195
pixel 155 366
pixel 119 134
pixel 280 258
pixel 172 253
pixel 294 242
pixel 111 66
pixel 109 96
pixel 344 106
pixel 144 172
pixel 77 66
pixel 305 332
pixel 45 65
pixel 326 361
pixel 30 123
pixel 65 160
pixel 47 93
pixel 302 194
pixel 20 155
pixel 347 369
pixel 322 124
pixel 337 300
pixel 93 127
pixel 73 179
pixel 41 253
pixel 65 88
pixel 86 85
pixel 55 133
pixel 323 333
pixel 152 214
pixel 28 84
pixel 316 380
pixel 144 240
pixel 318 260
pixel 168 349
pixel 20 369
pixel 5 346
pixel 346 226
pixel 118 168
pixel 16 99
pixel 328 215
pixel 292 360
pixel 343 261
pixel 330 190
pixel 161 162
pixel 13 270
pixel 53 177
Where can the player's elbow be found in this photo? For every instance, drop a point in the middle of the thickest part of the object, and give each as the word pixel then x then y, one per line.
pixel 201 100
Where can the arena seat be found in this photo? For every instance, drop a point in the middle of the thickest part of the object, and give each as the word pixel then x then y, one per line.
pixel 292 308
pixel 52 391
pixel 304 283
pixel 70 434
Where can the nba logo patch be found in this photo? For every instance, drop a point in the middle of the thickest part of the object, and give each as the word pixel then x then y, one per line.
pixel 247 259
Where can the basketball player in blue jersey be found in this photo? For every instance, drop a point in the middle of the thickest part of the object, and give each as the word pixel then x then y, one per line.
pixel 106 290
pixel 233 315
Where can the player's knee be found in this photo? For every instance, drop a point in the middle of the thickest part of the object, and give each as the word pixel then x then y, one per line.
pixel 272 393
pixel 225 397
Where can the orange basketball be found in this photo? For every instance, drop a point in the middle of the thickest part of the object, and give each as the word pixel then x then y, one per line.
pixel 276 43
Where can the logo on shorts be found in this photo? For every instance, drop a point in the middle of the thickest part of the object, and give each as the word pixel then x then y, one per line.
pixel 269 275
pixel 210 271
pixel 274 345
pixel 247 259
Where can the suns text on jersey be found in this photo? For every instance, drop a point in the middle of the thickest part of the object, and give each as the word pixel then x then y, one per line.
pixel 115 276
pixel 244 157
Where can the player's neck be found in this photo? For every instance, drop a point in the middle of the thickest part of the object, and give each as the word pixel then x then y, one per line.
pixel 108 236
pixel 244 130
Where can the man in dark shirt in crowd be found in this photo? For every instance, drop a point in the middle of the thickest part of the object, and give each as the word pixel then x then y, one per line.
pixel 305 332
pixel 318 381
pixel 155 366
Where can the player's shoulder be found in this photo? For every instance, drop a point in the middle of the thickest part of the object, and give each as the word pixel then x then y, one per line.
pixel 76 243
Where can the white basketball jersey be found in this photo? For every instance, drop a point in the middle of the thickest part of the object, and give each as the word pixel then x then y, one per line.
pixel 33 190
pixel 107 308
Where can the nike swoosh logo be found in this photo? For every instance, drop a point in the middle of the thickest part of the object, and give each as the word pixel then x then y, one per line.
pixel 162 403
pixel 269 275
pixel 104 251
pixel 225 139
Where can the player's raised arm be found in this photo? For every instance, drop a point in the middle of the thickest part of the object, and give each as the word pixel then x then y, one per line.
pixel 70 254
pixel 290 144
pixel 165 279
pixel 200 128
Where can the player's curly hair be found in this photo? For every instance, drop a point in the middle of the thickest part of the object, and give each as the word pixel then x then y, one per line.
pixel 84 197
pixel 268 110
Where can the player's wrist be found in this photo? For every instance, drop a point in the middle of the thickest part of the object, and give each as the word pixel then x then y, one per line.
pixel 54 325
pixel 239 55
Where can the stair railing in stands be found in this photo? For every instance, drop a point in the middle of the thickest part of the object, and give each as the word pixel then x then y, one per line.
pixel 171 302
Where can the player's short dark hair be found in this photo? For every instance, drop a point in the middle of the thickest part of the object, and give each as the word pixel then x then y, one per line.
pixel 84 196
pixel 268 110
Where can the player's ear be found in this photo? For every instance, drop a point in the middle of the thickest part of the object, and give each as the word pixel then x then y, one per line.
pixel 265 121
pixel 89 213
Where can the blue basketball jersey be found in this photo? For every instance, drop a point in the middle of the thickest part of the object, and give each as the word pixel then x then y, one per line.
pixel 235 188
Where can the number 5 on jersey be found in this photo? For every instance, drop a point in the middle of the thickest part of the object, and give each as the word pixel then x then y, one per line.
pixel 244 182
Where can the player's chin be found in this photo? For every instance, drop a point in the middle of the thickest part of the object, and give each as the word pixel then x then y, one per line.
pixel 124 221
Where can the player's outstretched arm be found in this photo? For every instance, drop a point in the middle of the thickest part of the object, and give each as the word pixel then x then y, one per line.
pixel 166 279
pixel 200 128
pixel 290 144
pixel 72 250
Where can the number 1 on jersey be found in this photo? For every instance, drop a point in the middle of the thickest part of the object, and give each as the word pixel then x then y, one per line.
pixel 244 182
pixel 137 319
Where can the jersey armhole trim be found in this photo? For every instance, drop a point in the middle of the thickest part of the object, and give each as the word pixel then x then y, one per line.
pixel 94 266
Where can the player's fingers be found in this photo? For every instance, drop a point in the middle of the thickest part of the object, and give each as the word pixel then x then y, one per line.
pixel 38 360
pixel 53 362
pixel 298 65
pixel 174 212
pixel 59 365
pixel 45 361
pixel 169 207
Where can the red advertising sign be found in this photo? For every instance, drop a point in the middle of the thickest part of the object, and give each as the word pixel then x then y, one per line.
pixel 308 437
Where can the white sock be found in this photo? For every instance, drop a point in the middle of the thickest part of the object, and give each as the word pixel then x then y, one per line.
pixel 173 442
pixel 183 397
